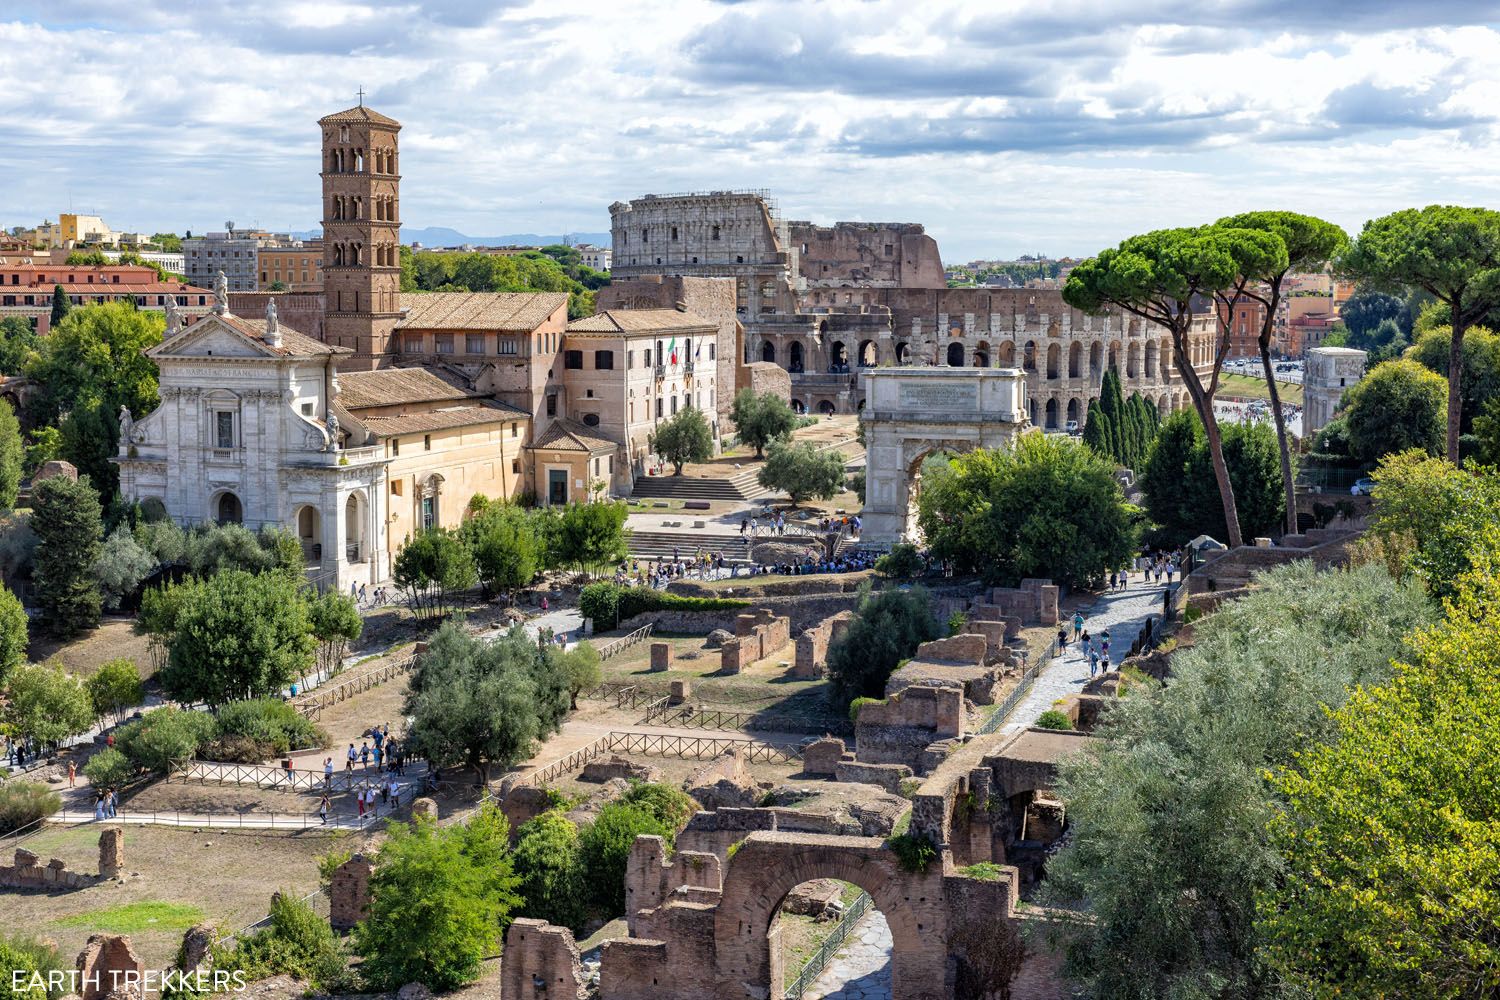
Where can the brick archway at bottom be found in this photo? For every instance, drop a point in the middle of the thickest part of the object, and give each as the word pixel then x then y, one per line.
pixel 767 866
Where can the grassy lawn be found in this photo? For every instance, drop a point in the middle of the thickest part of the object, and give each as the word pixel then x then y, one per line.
pixel 132 918
pixel 1254 387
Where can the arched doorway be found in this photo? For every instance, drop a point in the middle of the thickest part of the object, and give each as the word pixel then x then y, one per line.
pixel 763 873
pixel 768 351
pixel 982 355
pixel 1133 361
pixel 867 354
pixel 1151 355
pixel 838 357
pixel 153 509
pixel 1006 354
pixel 1075 359
pixel 863 970
pixel 1114 356
pixel 228 509
pixel 1051 414
pixel 827 408
pixel 1096 361
pixel 310 533
pixel 1028 361
pixel 354 521
pixel 955 355
pixel 798 406
pixel 1073 414
pixel 903 353
pixel 1054 360
pixel 794 357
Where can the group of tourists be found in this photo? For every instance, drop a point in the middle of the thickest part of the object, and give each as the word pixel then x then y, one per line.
pixel 107 804
pixel 387 754
pixel 1094 648
pixel 775 524
pixel 367 798
pixel 365 599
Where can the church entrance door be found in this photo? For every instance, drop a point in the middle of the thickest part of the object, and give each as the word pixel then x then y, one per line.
pixel 557 487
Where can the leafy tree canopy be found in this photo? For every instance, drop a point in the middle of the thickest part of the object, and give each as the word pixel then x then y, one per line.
pixel 1178 480
pixel 47 704
pixel 68 523
pixel 1044 508
pixel 685 437
pixel 802 472
pixel 888 628
pixel 1396 407
pixel 1479 380
pixel 759 420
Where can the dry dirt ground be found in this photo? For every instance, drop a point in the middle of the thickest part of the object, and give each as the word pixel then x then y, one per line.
pixel 85 654
pixel 228 875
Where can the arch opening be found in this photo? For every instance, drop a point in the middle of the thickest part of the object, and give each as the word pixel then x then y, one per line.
pixel 228 509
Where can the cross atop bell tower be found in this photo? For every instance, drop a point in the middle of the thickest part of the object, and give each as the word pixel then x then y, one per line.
pixel 361 233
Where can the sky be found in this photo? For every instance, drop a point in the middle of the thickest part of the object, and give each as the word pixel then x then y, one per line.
pixel 1004 127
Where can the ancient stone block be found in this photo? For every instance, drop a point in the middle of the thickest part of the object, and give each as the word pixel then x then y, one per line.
pixel 618 767
pixel 107 963
pixel 967 649
pixel 680 692
pixel 887 776
pixel 822 756
pixel 541 960
pixel 195 946
pixel 424 808
pixel 349 892
pixel 661 656
pixel 524 802
pixel 819 899
pixel 723 782
pixel 111 852
pixel 25 859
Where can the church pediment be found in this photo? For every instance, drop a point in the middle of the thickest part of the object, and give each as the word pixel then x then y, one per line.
pixel 211 336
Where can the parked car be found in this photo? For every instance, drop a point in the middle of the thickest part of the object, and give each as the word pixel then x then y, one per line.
pixel 1362 487
pixel 1073 427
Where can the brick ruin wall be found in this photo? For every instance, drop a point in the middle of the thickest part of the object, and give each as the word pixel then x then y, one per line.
pixel 812 645
pixel 28 872
pixel 900 729
pixel 650 878
pixel 757 635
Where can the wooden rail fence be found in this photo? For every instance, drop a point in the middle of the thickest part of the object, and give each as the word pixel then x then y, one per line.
pixel 624 642
pixel 660 745
pixel 312 703
pixel 732 720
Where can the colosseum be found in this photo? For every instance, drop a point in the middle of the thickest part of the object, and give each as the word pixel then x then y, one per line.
pixel 824 302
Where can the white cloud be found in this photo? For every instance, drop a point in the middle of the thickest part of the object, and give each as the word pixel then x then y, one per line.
pixel 1003 128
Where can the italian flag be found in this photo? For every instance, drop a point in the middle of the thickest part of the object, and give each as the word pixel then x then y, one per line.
pixel 672 348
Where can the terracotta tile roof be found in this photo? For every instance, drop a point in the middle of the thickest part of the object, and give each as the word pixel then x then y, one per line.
pixel 293 344
pixel 523 311
pixel 358 114
pixel 570 435
pixel 618 321
pixel 488 412
pixel 389 386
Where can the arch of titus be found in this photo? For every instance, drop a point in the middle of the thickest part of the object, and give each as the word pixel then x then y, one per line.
pixel 911 412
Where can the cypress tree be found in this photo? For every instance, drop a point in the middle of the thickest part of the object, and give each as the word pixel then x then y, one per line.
pixel 1112 403
pixel 68 524
pixel 60 304
pixel 1096 430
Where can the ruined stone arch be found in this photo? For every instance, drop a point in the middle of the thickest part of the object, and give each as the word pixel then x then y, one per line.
pixel 1096 361
pixel 1005 354
pixel 903 352
pixel 1151 358
pixel 794 359
pixel 1133 360
pixel 1075 360
pixel 869 354
pixel 955 354
pixel 1029 357
pixel 1164 405
pixel 768 351
pixel 1075 412
pixel 982 354
pixel 765 870
pixel 1114 356
pixel 1051 414
pixel 1054 360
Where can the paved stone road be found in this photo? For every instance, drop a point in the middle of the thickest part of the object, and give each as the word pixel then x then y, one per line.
pixel 1124 613
pixel 862 968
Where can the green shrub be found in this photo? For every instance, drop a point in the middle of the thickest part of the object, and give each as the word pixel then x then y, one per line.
pixel 957 622
pixel 639 600
pixel 604 847
pixel 109 768
pixel 329 861
pixel 672 806
pixel 270 722
pixel 985 871
pixel 1053 719
pixel 909 786
pixel 298 943
pixel 600 603
pixel 859 703
pixel 901 563
pixel 164 735
pixel 547 857
pixel 19 958
pixel 24 802
pixel 913 851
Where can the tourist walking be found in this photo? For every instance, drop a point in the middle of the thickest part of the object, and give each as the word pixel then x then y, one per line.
pixel 1093 661
pixel 99 807
pixel 323 809
pixel 353 756
pixel 1062 641
pixel 327 772
pixel 112 802
pixel 364 755
pixel 359 802
pixel 1077 624
pixel 72 772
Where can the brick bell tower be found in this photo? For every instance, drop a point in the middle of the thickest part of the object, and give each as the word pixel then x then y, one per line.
pixel 361 235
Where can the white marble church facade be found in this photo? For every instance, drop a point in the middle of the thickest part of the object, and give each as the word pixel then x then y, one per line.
pixel 249 431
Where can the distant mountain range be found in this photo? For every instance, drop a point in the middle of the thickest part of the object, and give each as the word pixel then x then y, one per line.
pixel 442 236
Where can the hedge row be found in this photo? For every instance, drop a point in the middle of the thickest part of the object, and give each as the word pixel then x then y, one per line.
pixel 607 604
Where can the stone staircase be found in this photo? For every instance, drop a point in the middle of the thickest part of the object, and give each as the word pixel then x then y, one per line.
pixel 740 488
pixel 686 540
